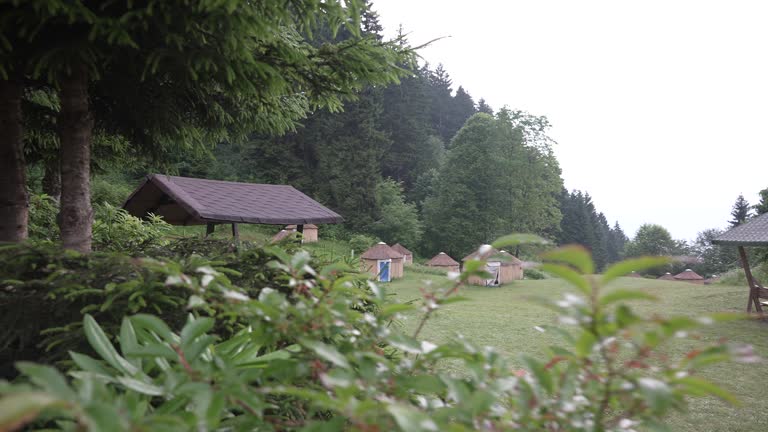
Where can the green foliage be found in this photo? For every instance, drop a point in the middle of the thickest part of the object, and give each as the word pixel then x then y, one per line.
pixel 110 190
pixel 762 206
pixel 533 274
pixel 42 218
pixel 310 360
pixel 361 242
pixel 114 229
pixel 713 259
pixel 740 212
pixel 494 180
pixel 398 221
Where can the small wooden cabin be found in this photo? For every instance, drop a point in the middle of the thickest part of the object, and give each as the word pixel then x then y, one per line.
pixel 444 262
pixel 502 266
pixel 282 235
pixel 383 262
pixel 690 276
pixel 310 233
pixel 666 276
pixel 408 260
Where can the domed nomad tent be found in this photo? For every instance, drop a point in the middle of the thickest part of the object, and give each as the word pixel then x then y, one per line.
pixel 408 260
pixel 443 261
pixel 666 276
pixel 383 262
pixel 502 265
pixel 689 276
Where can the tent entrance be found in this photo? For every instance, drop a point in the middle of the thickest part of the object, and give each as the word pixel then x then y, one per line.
pixel 384 270
pixel 494 269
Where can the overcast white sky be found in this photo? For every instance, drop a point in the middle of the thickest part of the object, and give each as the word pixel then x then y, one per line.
pixel 659 107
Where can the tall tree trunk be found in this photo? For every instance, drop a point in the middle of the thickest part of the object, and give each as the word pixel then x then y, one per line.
pixel 14 202
pixel 75 129
pixel 52 178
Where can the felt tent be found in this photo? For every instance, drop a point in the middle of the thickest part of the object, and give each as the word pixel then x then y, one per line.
pixel 444 262
pixel 383 262
pixel 502 266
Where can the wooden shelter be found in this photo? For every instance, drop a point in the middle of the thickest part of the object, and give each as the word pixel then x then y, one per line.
pixel 444 262
pixel 408 260
pixel 502 266
pixel 666 276
pixel 383 262
pixel 310 234
pixel 193 201
pixel 690 276
pixel 752 233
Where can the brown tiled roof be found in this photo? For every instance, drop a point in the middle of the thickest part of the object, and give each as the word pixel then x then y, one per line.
pixel 442 260
pixel 688 274
pixel 493 254
pixel 192 201
pixel 381 251
pixel 400 248
pixel 753 232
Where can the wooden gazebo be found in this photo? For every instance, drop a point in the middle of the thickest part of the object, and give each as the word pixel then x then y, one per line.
pixel 193 201
pixel 752 233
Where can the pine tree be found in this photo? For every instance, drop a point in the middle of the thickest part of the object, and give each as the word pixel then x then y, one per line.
pixel 483 107
pixel 740 212
pixel 762 206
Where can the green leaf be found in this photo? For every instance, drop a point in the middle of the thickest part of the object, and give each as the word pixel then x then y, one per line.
pixel 700 387
pixel 635 264
pixel 623 295
pixel 411 420
pixel 405 343
pixel 656 393
pixel 19 409
pixel 104 348
pixel 89 364
pixel 155 324
pixel 518 239
pixel 141 386
pixel 48 378
pixel 574 255
pixel 585 343
pixel 394 308
pixel 327 352
pixel 569 275
pixel 195 328
pixel 539 372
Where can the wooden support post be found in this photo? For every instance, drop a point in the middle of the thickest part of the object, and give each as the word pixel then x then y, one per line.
pixel 209 229
pixel 753 297
pixel 235 232
pixel 300 230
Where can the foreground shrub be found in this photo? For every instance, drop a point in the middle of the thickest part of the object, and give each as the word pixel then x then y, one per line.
pixel 311 360
pixel 46 291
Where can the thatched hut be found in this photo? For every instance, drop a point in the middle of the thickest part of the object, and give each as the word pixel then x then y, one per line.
pixel 666 276
pixel 309 235
pixel 689 276
pixel 408 260
pixel 383 262
pixel 444 262
pixel 502 265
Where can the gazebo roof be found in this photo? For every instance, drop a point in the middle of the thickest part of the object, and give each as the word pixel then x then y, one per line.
pixel 400 248
pixel 753 232
pixel 442 260
pixel 381 251
pixel 193 201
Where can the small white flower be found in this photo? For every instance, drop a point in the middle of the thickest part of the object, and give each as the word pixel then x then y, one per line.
pixel 705 320
pixel 427 347
pixel 539 329
pixel 206 270
pixel 651 384
pixel 681 374
pixel 205 280
pixel 265 292
pixel 681 334
pixel 626 423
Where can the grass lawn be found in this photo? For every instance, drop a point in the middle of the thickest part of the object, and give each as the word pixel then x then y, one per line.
pixel 505 318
